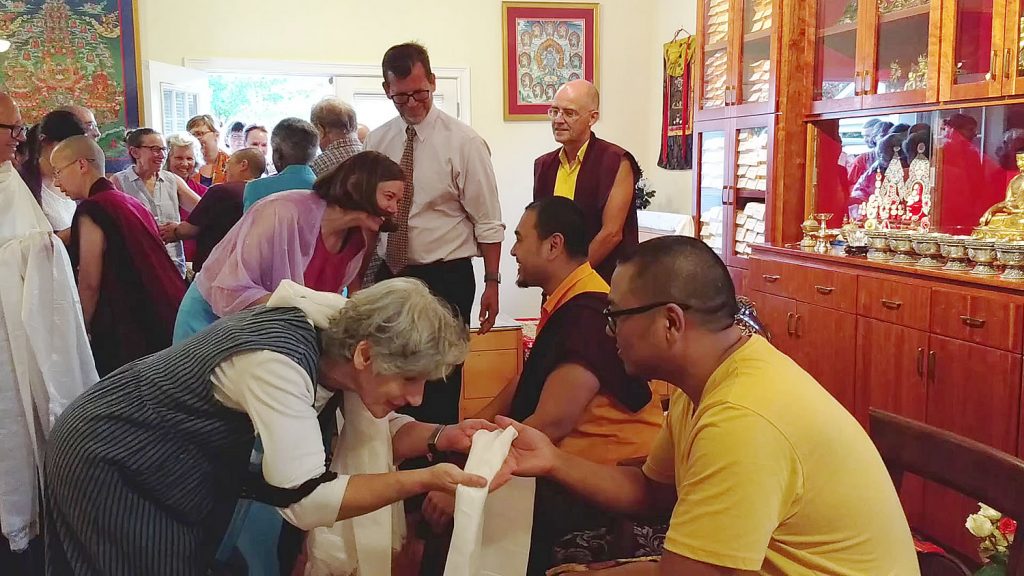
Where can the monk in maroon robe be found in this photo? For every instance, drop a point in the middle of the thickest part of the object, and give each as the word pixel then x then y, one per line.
pixel 129 288
pixel 599 176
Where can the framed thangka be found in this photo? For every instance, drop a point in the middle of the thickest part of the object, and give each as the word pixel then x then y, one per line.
pixel 546 45
pixel 70 52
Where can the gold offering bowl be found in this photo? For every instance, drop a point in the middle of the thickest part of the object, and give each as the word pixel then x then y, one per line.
pixel 878 246
pixel 810 228
pixel 983 253
pixel 954 248
pixel 1012 255
pixel 902 243
pixel 927 244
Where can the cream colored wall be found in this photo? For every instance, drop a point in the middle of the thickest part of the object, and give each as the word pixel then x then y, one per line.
pixel 460 33
pixel 675 188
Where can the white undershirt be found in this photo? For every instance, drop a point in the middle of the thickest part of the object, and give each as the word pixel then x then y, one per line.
pixel 58 208
pixel 283 404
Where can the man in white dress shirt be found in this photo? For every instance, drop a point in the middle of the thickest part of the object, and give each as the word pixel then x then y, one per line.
pixel 453 214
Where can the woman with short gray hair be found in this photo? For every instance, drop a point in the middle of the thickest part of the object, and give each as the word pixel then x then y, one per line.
pixel 143 470
pixel 182 151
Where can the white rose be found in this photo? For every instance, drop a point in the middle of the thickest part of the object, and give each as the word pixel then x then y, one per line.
pixel 989 513
pixel 979 525
pixel 1001 543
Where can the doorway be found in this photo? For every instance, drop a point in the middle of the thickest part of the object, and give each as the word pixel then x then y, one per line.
pixel 264 92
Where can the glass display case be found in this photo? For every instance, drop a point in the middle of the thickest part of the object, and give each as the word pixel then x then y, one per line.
pixel 733 176
pixel 755 51
pixel 736 59
pixel 836 74
pixel 711 175
pixel 947 168
pixel 714 89
pixel 900 58
pixel 874 53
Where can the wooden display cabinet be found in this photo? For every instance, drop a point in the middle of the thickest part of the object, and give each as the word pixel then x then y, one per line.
pixel 981 49
pixel 733 169
pixel 736 60
pixel 938 347
pixel 870 54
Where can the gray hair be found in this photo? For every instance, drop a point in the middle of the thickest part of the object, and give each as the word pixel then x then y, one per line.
pixel 410 331
pixel 181 140
pixel 334 114
pixel 294 141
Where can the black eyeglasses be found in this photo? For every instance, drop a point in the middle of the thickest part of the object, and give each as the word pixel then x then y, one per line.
pixel 155 149
pixel 612 316
pixel 403 97
pixel 17 130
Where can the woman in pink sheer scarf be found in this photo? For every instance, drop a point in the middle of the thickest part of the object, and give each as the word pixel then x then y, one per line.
pixel 319 238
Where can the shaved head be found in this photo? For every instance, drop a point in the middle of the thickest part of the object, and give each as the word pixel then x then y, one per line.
pixel 79 147
pixel 10 115
pixel 582 93
pixel 246 164
pixel 575 109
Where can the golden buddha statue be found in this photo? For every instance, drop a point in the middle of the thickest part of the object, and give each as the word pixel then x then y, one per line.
pixel 1005 220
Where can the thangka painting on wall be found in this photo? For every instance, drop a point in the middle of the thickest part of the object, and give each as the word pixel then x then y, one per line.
pixel 66 52
pixel 546 45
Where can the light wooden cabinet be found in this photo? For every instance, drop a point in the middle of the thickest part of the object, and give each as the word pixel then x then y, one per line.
pixel 495 361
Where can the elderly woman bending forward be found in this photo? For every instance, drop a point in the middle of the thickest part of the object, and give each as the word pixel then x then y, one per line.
pixel 143 470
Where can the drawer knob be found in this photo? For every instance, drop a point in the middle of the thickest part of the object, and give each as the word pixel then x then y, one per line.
pixel 972 322
pixel 824 290
pixel 770 278
pixel 891 304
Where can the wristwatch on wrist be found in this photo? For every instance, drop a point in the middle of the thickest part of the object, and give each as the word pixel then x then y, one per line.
pixel 496 277
pixel 432 452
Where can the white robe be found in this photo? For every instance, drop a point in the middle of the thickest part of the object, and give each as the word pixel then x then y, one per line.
pixel 45 359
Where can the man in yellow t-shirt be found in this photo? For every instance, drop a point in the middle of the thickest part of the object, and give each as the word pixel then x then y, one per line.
pixel 763 470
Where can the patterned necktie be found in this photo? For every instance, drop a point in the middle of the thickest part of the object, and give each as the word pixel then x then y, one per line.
pixel 397 255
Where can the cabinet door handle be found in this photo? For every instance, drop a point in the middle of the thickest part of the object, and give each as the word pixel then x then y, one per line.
pixel 891 304
pixel 789 323
pixel 931 365
pixel 770 278
pixel 972 322
pixel 1006 63
pixel 824 290
pixel 920 362
pixel 797 329
pixel 993 72
pixel 856 83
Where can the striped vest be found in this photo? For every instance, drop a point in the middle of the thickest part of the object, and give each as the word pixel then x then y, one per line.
pixel 153 447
